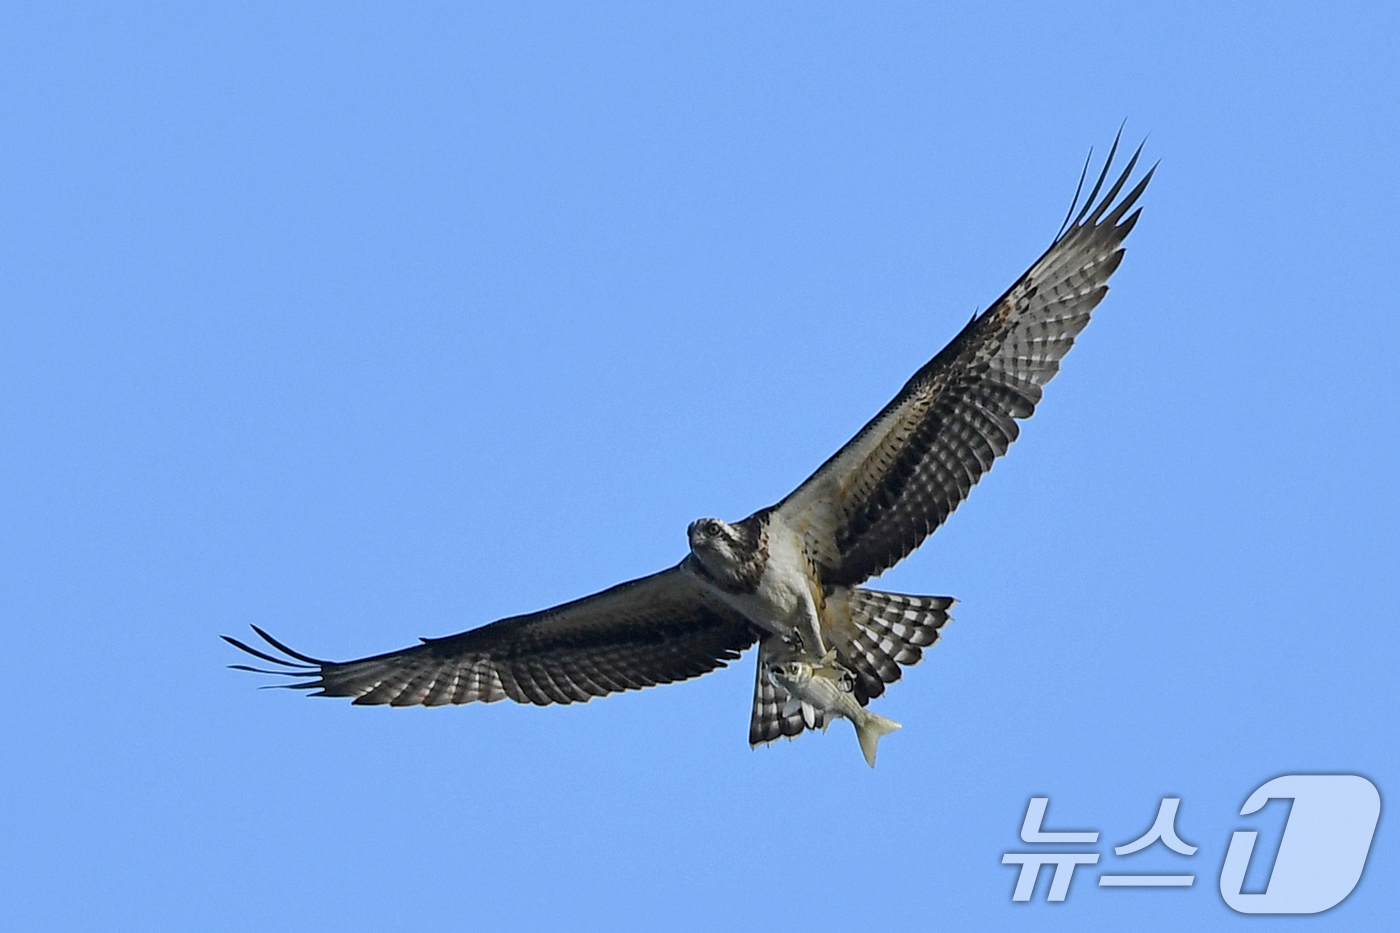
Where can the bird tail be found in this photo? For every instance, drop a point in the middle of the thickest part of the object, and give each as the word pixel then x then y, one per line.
pixel 772 715
pixel 876 633
pixel 869 728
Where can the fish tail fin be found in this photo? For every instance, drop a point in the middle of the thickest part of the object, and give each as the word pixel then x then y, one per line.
pixel 869 729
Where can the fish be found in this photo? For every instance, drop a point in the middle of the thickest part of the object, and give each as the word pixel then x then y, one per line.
pixel 827 688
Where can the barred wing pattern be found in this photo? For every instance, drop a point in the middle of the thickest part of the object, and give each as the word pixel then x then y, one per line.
pixel 860 513
pixel 654 630
pixel 906 471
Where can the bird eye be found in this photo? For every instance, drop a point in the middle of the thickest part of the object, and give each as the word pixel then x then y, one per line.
pixel 712 528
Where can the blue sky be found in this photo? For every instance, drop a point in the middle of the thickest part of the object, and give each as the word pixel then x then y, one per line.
pixel 362 323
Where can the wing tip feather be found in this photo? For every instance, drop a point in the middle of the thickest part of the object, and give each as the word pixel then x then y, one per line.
pixel 1091 212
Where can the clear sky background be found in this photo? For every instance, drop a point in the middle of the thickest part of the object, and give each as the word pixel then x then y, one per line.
pixel 365 322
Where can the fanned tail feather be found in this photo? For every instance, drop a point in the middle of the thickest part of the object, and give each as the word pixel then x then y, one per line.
pixel 874 633
pixel 877 633
pixel 774 715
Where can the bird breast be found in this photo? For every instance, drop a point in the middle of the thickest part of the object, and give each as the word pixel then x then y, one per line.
pixel 783 596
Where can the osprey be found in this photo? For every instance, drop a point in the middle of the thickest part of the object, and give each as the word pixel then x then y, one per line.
pixel 788 576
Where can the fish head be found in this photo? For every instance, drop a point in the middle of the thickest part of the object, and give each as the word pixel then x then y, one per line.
pixel 790 674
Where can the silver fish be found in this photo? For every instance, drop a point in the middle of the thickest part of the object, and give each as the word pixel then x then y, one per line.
pixel 829 688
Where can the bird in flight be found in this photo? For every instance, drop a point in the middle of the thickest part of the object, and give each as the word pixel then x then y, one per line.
pixel 788 576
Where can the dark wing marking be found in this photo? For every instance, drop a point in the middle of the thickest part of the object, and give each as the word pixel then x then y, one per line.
pixel 906 471
pixel 655 630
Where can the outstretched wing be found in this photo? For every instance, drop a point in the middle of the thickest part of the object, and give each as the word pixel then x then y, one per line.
pixel 650 631
pixel 876 500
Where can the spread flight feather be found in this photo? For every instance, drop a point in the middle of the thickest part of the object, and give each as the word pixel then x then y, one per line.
pixel 788 576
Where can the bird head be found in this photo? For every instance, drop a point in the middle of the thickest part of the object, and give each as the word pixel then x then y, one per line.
pixel 734 555
pixel 715 543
